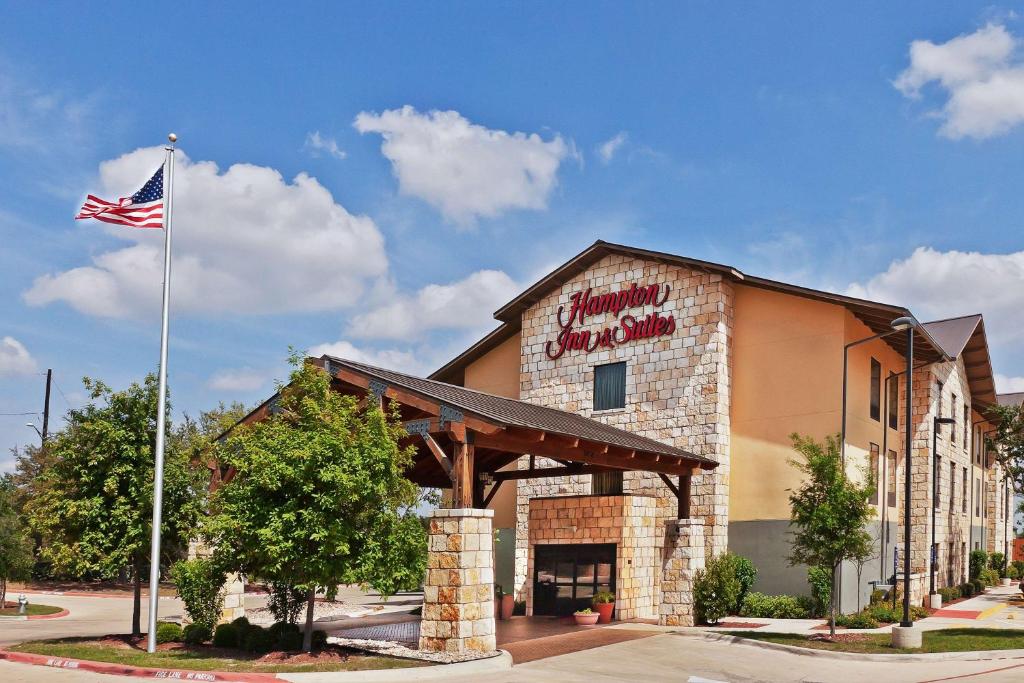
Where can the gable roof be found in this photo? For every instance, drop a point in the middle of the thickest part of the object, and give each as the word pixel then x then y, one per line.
pixel 964 338
pixel 875 315
pixel 1016 399
pixel 508 412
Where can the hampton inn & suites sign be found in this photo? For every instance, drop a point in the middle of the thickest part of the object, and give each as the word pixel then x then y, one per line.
pixel 573 337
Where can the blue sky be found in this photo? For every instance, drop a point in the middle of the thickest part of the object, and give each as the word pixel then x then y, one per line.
pixel 377 179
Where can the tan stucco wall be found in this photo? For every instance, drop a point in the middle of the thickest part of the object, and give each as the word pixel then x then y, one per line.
pixel 788 378
pixel 497 372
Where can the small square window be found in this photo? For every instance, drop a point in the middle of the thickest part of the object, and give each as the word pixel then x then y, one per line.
pixel 610 386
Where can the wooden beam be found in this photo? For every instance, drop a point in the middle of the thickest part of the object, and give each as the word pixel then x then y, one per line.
pixel 548 472
pixel 492 492
pixel 671 486
pixel 439 454
pixel 463 478
pixel 683 497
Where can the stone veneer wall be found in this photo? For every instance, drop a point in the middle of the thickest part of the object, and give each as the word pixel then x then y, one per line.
pixel 234 588
pixel 458 594
pixel 952 524
pixel 677 388
pixel 630 522
pixel 684 557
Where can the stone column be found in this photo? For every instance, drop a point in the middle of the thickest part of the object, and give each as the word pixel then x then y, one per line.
pixel 458 596
pixel 234 587
pixel 684 556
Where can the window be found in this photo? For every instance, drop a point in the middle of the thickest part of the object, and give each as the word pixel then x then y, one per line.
pixel 936 470
pixel 952 414
pixel 606 483
pixel 874 473
pixel 938 405
pixel 965 491
pixel 967 425
pixel 952 487
pixel 977 498
pixel 894 401
pixel 890 479
pixel 876 390
pixel 610 386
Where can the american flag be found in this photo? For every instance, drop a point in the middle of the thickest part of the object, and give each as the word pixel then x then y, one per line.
pixel 144 209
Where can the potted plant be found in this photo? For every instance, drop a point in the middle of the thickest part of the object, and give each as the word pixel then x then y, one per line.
pixel 508 606
pixel 585 617
pixel 604 603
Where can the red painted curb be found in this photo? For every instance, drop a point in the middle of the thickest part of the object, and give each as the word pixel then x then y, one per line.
pixel 136 671
pixel 55 615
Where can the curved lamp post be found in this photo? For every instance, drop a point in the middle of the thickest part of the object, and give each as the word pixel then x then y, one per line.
pixel 907 324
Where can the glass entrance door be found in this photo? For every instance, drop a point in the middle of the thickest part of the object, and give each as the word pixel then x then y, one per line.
pixel 566 577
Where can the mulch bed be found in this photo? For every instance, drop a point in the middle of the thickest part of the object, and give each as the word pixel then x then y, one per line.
pixel 331 653
pixel 844 638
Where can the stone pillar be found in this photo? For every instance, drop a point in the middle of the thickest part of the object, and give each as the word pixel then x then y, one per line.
pixel 684 556
pixel 234 587
pixel 458 595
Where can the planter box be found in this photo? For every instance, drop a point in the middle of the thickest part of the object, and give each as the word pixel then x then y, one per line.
pixel 586 619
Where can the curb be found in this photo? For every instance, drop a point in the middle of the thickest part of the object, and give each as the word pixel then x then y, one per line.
pixel 33 617
pixel 967 656
pixel 497 663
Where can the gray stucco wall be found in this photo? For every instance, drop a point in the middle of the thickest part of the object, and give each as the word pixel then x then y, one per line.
pixel 766 543
pixel 505 559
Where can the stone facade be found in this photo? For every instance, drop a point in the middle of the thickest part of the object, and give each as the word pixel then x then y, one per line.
pixel 677 388
pixel 954 448
pixel 458 594
pixel 684 557
pixel 627 521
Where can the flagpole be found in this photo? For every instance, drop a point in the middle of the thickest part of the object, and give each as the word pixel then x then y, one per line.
pixel 161 415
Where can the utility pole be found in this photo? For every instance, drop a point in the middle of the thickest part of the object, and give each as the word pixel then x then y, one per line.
pixel 46 406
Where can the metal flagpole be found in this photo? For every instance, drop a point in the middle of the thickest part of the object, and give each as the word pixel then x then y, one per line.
pixel 158 470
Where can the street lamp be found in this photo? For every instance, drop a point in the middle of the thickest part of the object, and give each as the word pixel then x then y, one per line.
pixel 933 554
pixel 32 425
pixel 907 324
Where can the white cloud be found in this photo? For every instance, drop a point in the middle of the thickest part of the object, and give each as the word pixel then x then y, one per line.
pixel 39 121
pixel 15 358
pixel 466 304
pixel 983 77
pixel 245 241
pixel 942 284
pixel 463 169
pixel 318 144
pixel 1009 385
pixel 392 359
pixel 607 149
pixel 239 379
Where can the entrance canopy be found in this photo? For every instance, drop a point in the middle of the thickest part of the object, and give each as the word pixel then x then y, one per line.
pixel 463 438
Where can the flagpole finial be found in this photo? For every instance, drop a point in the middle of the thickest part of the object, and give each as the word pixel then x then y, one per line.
pixel 173 138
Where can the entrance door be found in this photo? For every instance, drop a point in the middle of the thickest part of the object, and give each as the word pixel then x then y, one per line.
pixel 566 577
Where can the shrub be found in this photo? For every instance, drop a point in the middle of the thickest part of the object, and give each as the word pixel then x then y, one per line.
pixel 990 577
pixel 166 632
pixel 241 623
pixel 319 639
pixel 967 590
pixel 226 635
pixel 716 588
pixel 807 604
pixel 285 602
pixel 201 587
pixel 858 620
pixel 979 586
pixel 1012 572
pixel 746 574
pixel 997 562
pixel 287 637
pixel 772 607
pixel 1019 564
pixel 949 593
pixel 820 579
pixel 877 596
pixel 258 639
pixel 977 562
pixel 884 614
pixel 196 634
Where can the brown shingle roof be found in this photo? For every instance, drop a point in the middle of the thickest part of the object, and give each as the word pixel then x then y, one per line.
pixel 1011 399
pixel 509 412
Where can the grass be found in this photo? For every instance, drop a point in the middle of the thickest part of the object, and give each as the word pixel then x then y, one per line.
pixel 199 659
pixel 11 610
pixel 944 640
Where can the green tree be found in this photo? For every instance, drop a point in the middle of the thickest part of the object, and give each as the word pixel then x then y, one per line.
pixel 15 546
pixel 829 512
pixel 94 507
pixel 319 497
pixel 1007 443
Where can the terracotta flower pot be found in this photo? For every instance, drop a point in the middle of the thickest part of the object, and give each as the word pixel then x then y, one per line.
pixel 508 605
pixel 586 618
pixel 604 612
